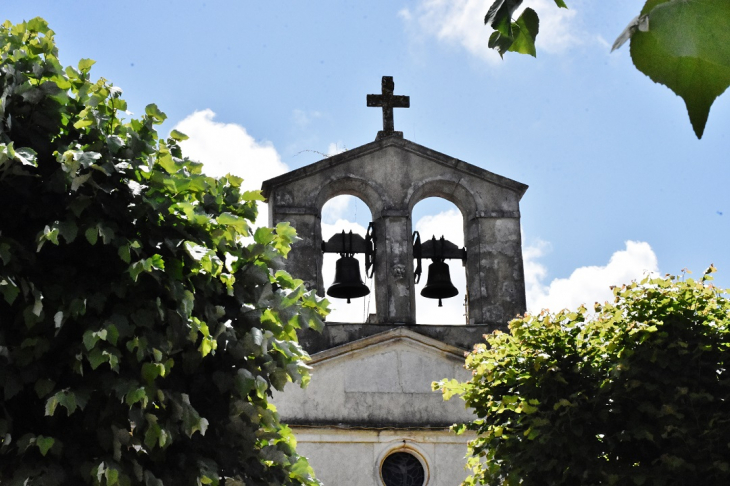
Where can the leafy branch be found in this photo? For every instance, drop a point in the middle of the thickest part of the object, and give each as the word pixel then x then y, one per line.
pixel 682 44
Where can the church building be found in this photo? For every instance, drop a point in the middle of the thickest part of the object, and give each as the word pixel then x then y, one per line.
pixel 369 416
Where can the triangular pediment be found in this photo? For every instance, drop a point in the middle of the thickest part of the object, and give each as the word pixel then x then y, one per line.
pixel 394 337
pixel 382 380
pixel 400 144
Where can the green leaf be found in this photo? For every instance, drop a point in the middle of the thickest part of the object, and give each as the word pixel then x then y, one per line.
pixel 5 255
pixel 97 357
pixel 155 113
pixel 263 235
pixel 26 156
pixel 150 371
pixel 261 385
pixel 166 162
pixel 244 382
pixel 43 387
pixel 107 234
pixel 65 398
pixel 136 395
pixel 38 25
pixel 112 477
pixel 114 142
pixel 499 16
pixel 179 136
pixel 85 65
pixel 524 38
pixel 686 47
pixel 135 269
pixel 90 338
pixel 112 334
pixel 252 195
pixel 206 346
pixel 561 4
pixel 51 405
pixel 153 436
pixel 44 444
pixel 230 219
pixel 9 290
pixel 92 235
pixel 124 253
pixel 68 230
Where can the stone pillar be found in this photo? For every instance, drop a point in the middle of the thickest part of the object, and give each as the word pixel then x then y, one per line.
pixel 305 258
pixel 396 302
pixel 495 275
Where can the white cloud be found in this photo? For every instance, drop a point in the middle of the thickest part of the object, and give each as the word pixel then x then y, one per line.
pixel 335 209
pixel 461 22
pixel 302 118
pixel 225 148
pixel 335 148
pixel 448 224
pixel 586 285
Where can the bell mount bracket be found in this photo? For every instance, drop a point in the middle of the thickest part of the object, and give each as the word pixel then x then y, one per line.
pixel 347 244
pixel 437 250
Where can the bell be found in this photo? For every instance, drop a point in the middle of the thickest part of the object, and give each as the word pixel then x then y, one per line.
pixel 439 286
pixel 348 284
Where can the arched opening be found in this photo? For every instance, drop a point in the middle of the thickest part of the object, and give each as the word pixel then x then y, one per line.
pixel 346 213
pixel 435 216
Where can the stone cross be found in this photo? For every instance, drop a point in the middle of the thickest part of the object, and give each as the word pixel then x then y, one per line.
pixel 388 101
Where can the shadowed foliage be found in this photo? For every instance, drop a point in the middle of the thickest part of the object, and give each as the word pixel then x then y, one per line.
pixel 635 393
pixel 143 322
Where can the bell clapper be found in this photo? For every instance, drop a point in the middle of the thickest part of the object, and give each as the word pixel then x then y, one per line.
pixel 440 304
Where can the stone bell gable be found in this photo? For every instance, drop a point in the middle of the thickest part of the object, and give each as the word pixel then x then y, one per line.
pixel 391 175
pixel 369 416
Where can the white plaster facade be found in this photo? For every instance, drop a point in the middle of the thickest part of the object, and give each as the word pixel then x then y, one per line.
pixel 354 456
pixel 372 397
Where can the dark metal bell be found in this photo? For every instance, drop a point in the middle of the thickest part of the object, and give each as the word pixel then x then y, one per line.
pixel 348 284
pixel 439 286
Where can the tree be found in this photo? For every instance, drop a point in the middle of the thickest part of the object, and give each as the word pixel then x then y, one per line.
pixel 683 44
pixel 636 393
pixel 143 325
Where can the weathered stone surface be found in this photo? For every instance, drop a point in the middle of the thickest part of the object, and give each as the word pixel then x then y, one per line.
pixel 391 175
pixel 380 381
pixel 338 333
pixel 370 393
pixel 387 101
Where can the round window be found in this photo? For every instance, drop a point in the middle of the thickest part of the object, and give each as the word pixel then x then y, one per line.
pixel 402 469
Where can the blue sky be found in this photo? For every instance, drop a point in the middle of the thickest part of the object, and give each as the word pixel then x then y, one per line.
pixel 265 87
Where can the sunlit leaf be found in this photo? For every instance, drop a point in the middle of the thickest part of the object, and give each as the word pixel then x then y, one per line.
pixel 85 65
pixel 179 136
pixel 524 38
pixel 686 47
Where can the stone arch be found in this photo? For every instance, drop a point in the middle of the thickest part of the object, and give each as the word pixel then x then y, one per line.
pixel 447 188
pixel 368 191
pixel 358 310
pixel 390 176
pixel 450 223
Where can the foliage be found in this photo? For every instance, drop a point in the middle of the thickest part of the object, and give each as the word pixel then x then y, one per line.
pixel 143 325
pixel 682 44
pixel 635 394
